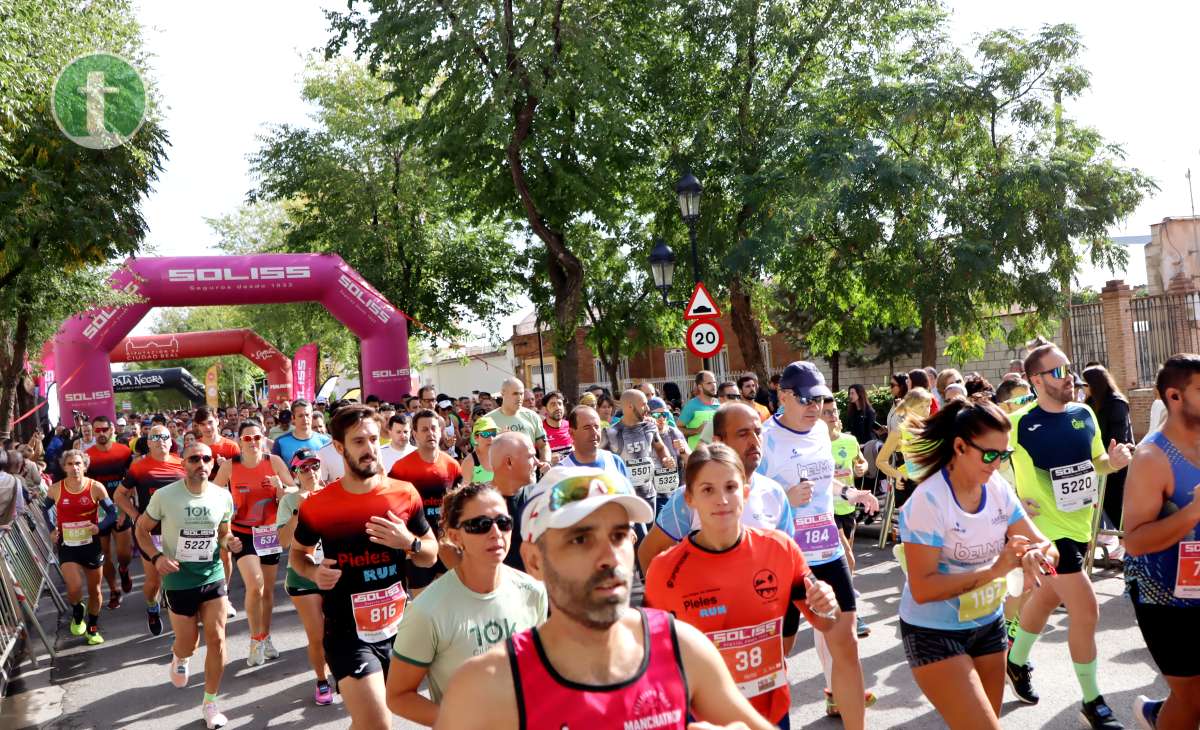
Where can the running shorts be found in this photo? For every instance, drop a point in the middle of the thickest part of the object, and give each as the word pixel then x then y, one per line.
pixel 925 646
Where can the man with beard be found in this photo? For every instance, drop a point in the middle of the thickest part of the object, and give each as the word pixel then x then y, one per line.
pixel 108 461
pixel 699 410
pixel 1057 460
pixel 635 439
pixel 369 526
pixel 208 429
pixel 595 662
pixel 555 425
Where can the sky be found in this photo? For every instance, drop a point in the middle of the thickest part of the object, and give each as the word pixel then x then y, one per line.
pixel 226 71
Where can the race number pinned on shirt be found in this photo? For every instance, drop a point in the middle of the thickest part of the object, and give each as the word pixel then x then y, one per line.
pixel 983 601
pixel 195 546
pixel 265 540
pixel 641 472
pixel 754 655
pixel 1074 486
pixel 378 613
pixel 666 481
pixel 77 534
pixel 817 536
pixel 1187 578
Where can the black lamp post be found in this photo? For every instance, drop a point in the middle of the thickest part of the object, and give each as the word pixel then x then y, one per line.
pixel 662 259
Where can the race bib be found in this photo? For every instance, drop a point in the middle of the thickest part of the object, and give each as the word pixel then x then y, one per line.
pixel 378 613
pixel 754 655
pixel 666 480
pixel 195 546
pixel 983 601
pixel 1187 578
pixel 1074 486
pixel 817 536
pixel 265 540
pixel 77 534
pixel 640 472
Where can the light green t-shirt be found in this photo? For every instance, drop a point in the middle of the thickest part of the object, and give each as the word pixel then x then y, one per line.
pixel 289 505
pixel 195 519
pixel 845 451
pixel 448 623
pixel 526 421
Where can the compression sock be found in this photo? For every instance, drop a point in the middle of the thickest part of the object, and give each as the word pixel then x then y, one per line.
pixel 1022 644
pixel 210 697
pixel 91 621
pixel 1086 674
pixel 77 611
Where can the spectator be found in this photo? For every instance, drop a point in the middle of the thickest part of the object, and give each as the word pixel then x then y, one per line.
pixel 860 416
pixel 1112 413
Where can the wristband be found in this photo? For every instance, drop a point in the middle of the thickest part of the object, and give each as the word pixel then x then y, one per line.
pixel 154 560
pixel 845 492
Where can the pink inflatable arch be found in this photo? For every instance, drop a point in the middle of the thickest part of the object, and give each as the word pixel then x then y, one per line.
pixel 274 363
pixel 82 345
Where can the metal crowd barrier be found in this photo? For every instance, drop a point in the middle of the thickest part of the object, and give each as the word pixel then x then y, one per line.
pixel 28 567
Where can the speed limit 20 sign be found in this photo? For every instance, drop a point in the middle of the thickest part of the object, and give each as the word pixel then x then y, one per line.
pixel 704 338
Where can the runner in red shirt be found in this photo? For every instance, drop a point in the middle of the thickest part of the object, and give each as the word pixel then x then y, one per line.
pixel 369 528
pixel 737 584
pixel 107 463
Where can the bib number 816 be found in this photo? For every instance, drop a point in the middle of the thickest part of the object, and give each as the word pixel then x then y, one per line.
pixel 748 659
pixel 383 613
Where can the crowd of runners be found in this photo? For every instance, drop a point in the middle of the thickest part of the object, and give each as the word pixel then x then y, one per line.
pixel 535 560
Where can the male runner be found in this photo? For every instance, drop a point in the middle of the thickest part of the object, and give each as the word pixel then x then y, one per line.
pixel 1057 457
pixel 1162 540
pixel 797 454
pixel 512 416
pixel 194 516
pixel 301 436
pixel 433 472
pixel 595 662
pixel 635 439
pixel 584 427
pixel 558 435
pixel 848 464
pixel 399 445
pixel 699 410
pixel 158 468
pixel 369 528
pixel 514 470
pixel 209 432
pixel 108 463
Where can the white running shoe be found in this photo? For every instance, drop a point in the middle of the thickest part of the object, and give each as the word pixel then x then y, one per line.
pixel 269 650
pixel 257 654
pixel 178 671
pixel 230 611
pixel 212 716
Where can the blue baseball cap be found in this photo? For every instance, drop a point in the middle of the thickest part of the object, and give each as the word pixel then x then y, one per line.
pixel 805 380
pixel 657 404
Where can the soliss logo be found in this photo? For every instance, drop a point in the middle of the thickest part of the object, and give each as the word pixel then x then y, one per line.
pixel 382 374
pixel 104 315
pixel 83 397
pixel 254 273
pixel 365 298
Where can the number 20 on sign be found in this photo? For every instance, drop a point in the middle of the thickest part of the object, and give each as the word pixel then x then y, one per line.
pixel 704 338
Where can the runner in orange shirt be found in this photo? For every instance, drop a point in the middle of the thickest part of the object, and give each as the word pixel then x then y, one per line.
pixel 739 585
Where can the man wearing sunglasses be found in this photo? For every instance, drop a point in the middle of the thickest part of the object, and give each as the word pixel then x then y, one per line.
pixel 108 463
pixel 1057 461
pixel 194 515
pixel 157 469
pixel 631 663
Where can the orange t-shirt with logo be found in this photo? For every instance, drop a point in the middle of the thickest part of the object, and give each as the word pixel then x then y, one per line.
pixel 739 599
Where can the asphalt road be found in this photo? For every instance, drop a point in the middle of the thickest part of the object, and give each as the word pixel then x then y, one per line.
pixel 123 683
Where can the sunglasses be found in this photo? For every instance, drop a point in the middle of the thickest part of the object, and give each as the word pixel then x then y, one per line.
pixel 309 466
pixel 576 489
pixel 990 455
pixel 197 458
pixel 101 429
pixel 1060 372
pixel 483 524
pixel 160 437
pixel 491 433
pixel 252 437
pixel 809 400
pixel 659 414
pixel 731 396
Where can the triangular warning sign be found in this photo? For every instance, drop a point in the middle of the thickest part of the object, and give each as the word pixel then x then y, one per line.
pixel 701 305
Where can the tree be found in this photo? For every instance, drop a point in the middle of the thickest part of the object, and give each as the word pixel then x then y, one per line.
pixel 531 109
pixel 65 210
pixel 381 202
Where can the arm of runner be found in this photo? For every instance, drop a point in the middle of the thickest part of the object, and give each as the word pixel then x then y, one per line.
pixel 1040 555
pixel 484 682
pixel 141 532
pixel 228 540
pixel 282 472
pixel 663 453
pixel 858 496
pixel 121 497
pixel 413 650
pixel 883 459
pixel 1145 492
pixel 928 585
pixel 655 542
pixel 714 697
pixel 860 465
pixel 224 471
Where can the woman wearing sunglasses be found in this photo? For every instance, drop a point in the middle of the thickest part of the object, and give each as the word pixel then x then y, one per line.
pixel 702 581
pixel 476 465
pixel 256 480
pixel 964 532
pixel 478 604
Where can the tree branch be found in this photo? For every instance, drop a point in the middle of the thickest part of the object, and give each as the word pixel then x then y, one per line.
pixel 478 49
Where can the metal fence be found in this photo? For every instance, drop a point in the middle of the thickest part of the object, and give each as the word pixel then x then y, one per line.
pixel 1087 334
pixel 28 569
pixel 1163 324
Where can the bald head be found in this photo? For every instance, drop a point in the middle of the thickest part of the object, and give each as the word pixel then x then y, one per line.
pixel 633 407
pixel 514 461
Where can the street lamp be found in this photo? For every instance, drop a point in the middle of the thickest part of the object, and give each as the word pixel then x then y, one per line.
pixel 662 268
pixel 688 189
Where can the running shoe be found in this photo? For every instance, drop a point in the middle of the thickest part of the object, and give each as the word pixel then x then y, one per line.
pixel 862 629
pixel 154 620
pixel 269 650
pixel 114 600
pixel 212 716
pixel 230 611
pixel 94 637
pixel 126 581
pixel 78 627
pixel 1099 715
pixel 178 671
pixel 831 708
pixel 324 693
pixel 1021 679
pixel 1145 711
pixel 257 654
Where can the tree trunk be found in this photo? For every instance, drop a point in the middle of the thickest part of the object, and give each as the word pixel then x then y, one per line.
pixel 835 370
pixel 10 377
pixel 611 366
pixel 746 328
pixel 928 337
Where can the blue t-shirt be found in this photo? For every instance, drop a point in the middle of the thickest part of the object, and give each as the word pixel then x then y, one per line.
pixel 605 459
pixel 287 445
pixel 766 507
pixel 968 542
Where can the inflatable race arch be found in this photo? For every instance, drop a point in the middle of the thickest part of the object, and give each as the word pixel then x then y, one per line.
pixel 83 343
pixel 177 379
pixel 274 363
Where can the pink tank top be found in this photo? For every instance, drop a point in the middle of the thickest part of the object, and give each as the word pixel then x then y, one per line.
pixel 655 698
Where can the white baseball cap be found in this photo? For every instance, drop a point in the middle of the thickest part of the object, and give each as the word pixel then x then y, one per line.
pixel 121 421
pixel 566 495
